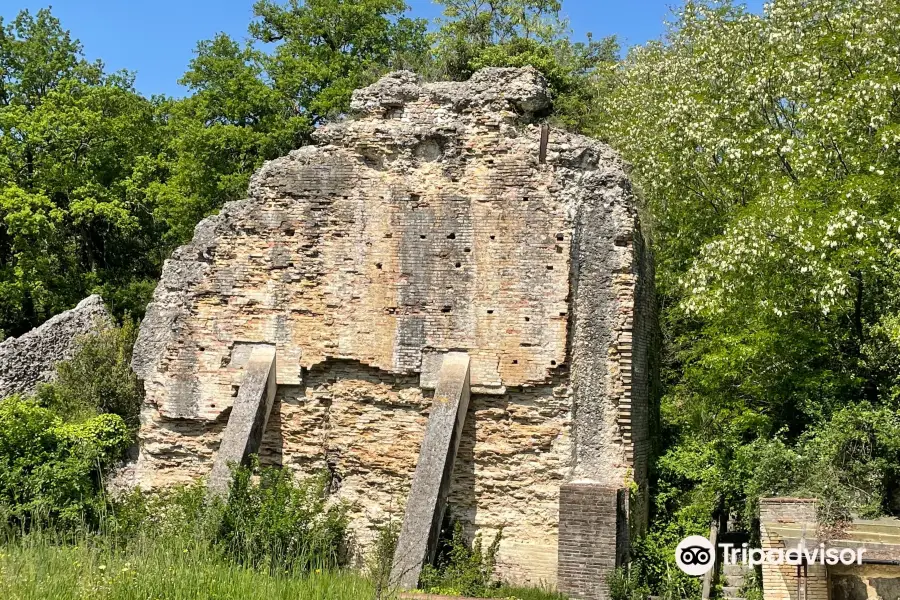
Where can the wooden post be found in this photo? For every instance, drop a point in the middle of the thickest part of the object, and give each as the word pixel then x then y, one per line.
pixel 545 139
pixel 710 575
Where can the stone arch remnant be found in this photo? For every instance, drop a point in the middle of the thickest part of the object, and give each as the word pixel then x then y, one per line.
pixel 439 239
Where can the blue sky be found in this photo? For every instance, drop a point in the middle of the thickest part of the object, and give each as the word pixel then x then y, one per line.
pixel 156 38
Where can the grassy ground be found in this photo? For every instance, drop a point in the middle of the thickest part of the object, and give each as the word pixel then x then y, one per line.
pixel 149 569
pixel 179 546
pixel 526 594
pixel 38 567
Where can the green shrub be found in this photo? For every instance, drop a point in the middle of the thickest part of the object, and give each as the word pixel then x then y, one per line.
pixel 653 569
pixel 51 470
pixel 381 560
pixel 278 523
pixel 184 510
pixel 849 462
pixel 510 592
pixel 97 379
pixel 625 584
pixel 269 522
pixel 462 570
pixel 752 587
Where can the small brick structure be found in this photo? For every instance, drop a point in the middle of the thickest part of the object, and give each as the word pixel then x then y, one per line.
pixel 786 582
pixel 593 536
pixel 789 522
pixel 440 218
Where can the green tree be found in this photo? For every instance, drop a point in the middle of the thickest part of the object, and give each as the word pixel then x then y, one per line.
pixel 517 33
pixel 248 106
pixel 468 28
pixel 70 138
pixel 765 149
pixel 325 49
pixel 216 137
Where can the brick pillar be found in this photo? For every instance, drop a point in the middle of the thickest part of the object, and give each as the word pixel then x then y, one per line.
pixel 781 582
pixel 593 538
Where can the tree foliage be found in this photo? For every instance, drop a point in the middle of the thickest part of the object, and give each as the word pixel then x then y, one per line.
pixel 50 471
pixel 328 48
pixel 517 33
pixel 248 105
pixel 765 147
pixel 71 137
pixel 469 27
pixel 98 184
pixel 216 137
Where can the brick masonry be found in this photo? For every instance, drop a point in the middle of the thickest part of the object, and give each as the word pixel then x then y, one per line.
pixel 425 224
pixel 593 537
pixel 780 582
pixel 877 577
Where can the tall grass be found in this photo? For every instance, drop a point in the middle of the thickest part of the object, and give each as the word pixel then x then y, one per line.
pixel 167 567
pixel 171 565
pixel 275 538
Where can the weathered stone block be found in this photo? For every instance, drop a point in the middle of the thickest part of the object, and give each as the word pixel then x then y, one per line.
pixel 31 359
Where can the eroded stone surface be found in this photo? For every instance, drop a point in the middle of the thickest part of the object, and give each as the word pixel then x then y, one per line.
pixel 366 428
pixel 31 358
pixel 424 225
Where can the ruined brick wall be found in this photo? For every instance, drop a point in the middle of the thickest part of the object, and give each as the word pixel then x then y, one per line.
pixel 643 364
pixel 514 454
pixel 780 581
pixel 31 359
pixel 425 224
pixel 864 582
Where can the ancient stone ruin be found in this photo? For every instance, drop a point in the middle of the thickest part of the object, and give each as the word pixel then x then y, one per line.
pixel 445 304
pixel 31 358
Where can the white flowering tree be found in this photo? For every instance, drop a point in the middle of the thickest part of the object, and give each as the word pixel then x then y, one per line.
pixel 767 150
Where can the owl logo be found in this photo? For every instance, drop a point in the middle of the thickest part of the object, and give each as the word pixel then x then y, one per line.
pixel 695 555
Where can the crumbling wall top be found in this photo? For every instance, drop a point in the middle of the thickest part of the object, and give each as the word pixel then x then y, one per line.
pixel 31 358
pixel 524 90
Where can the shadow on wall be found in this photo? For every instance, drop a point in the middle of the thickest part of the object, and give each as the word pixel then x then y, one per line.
pixel 462 505
pixel 366 427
